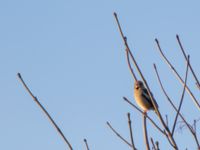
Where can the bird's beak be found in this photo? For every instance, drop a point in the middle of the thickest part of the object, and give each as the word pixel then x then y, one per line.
pixel 137 87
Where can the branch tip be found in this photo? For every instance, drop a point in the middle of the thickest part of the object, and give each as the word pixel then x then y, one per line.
pixel 45 112
pixel 19 75
pixel 115 14
pixel 156 40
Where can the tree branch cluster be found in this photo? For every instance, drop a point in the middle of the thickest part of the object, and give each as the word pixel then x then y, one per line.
pixel 165 130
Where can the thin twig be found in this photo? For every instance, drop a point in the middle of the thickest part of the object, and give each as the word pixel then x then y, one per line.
pixel 181 125
pixel 131 132
pixel 195 122
pixel 167 120
pixel 153 145
pixel 157 145
pixel 125 99
pixel 184 54
pixel 177 75
pixel 118 135
pixel 126 45
pixel 129 65
pixel 45 111
pixel 182 96
pixel 86 144
pixel 148 89
pixel 172 104
pixel 145 132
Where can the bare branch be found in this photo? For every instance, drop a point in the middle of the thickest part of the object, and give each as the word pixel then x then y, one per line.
pixel 134 61
pixel 118 135
pixel 145 114
pixel 172 104
pixel 182 96
pixel 177 75
pixel 148 89
pixel 131 132
pixel 164 132
pixel 184 54
pixel 45 111
pixel 129 65
pixel 165 93
pixel 145 132
pixel 126 45
pixel 86 144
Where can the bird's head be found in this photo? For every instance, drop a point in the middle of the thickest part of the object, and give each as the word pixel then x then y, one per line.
pixel 138 85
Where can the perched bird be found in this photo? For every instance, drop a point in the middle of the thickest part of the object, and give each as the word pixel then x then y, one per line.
pixel 142 97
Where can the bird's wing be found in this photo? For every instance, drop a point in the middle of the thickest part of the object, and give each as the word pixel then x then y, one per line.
pixel 145 94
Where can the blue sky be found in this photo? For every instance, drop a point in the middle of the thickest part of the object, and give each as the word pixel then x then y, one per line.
pixel 72 57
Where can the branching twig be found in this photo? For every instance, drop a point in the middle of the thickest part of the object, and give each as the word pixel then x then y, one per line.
pixel 177 75
pixel 129 65
pixel 184 54
pixel 45 111
pixel 131 132
pixel 170 101
pixel 148 89
pixel 86 144
pixel 145 114
pixel 118 135
pixel 182 96
pixel 164 132
pixel 145 132
pixel 126 45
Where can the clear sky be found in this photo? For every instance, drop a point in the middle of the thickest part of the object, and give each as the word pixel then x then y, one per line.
pixel 72 57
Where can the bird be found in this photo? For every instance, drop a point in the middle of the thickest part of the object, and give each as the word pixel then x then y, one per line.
pixel 142 97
